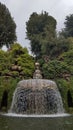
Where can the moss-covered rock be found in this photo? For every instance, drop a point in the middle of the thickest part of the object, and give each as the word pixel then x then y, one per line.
pixel 7 84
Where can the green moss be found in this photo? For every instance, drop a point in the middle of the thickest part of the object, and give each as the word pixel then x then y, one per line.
pixel 65 86
pixel 8 84
pixel 71 86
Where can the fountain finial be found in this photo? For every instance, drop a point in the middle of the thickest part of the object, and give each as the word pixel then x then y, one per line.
pixel 37 73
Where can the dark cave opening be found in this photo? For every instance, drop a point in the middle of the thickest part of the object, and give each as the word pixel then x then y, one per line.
pixel 4 101
pixel 69 99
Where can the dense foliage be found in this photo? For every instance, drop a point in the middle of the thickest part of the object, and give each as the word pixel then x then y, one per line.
pixel 41 28
pixel 16 62
pixel 7 27
pixel 68 29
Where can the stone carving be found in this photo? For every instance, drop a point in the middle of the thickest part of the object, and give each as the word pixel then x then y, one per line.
pixel 37 73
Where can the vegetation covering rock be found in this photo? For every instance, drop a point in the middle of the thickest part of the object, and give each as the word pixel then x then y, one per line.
pixel 15 64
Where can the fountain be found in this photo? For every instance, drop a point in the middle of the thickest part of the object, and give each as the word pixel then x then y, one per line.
pixel 37 96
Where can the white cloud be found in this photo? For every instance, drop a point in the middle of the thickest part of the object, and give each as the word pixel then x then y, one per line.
pixel 67 3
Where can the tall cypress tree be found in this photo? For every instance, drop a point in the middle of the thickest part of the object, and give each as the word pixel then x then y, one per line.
pixel 69 25
pixel 41 28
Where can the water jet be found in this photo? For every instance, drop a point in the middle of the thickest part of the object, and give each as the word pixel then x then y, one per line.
pixel 37 96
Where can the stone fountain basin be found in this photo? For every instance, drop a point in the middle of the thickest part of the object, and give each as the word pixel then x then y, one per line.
pixel 39 84
pixel 36 96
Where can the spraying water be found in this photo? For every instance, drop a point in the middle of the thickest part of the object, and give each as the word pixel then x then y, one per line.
pixel 37 96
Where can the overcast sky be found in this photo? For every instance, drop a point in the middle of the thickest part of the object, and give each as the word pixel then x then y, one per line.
pixel 22 9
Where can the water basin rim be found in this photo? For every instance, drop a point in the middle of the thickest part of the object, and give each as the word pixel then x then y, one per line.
pixel 37 83
pixel 37 80
pixel 36 116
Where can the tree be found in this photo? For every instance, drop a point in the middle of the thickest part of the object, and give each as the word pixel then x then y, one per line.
pixel 68 30
pixel 40 29
pixel 7 27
